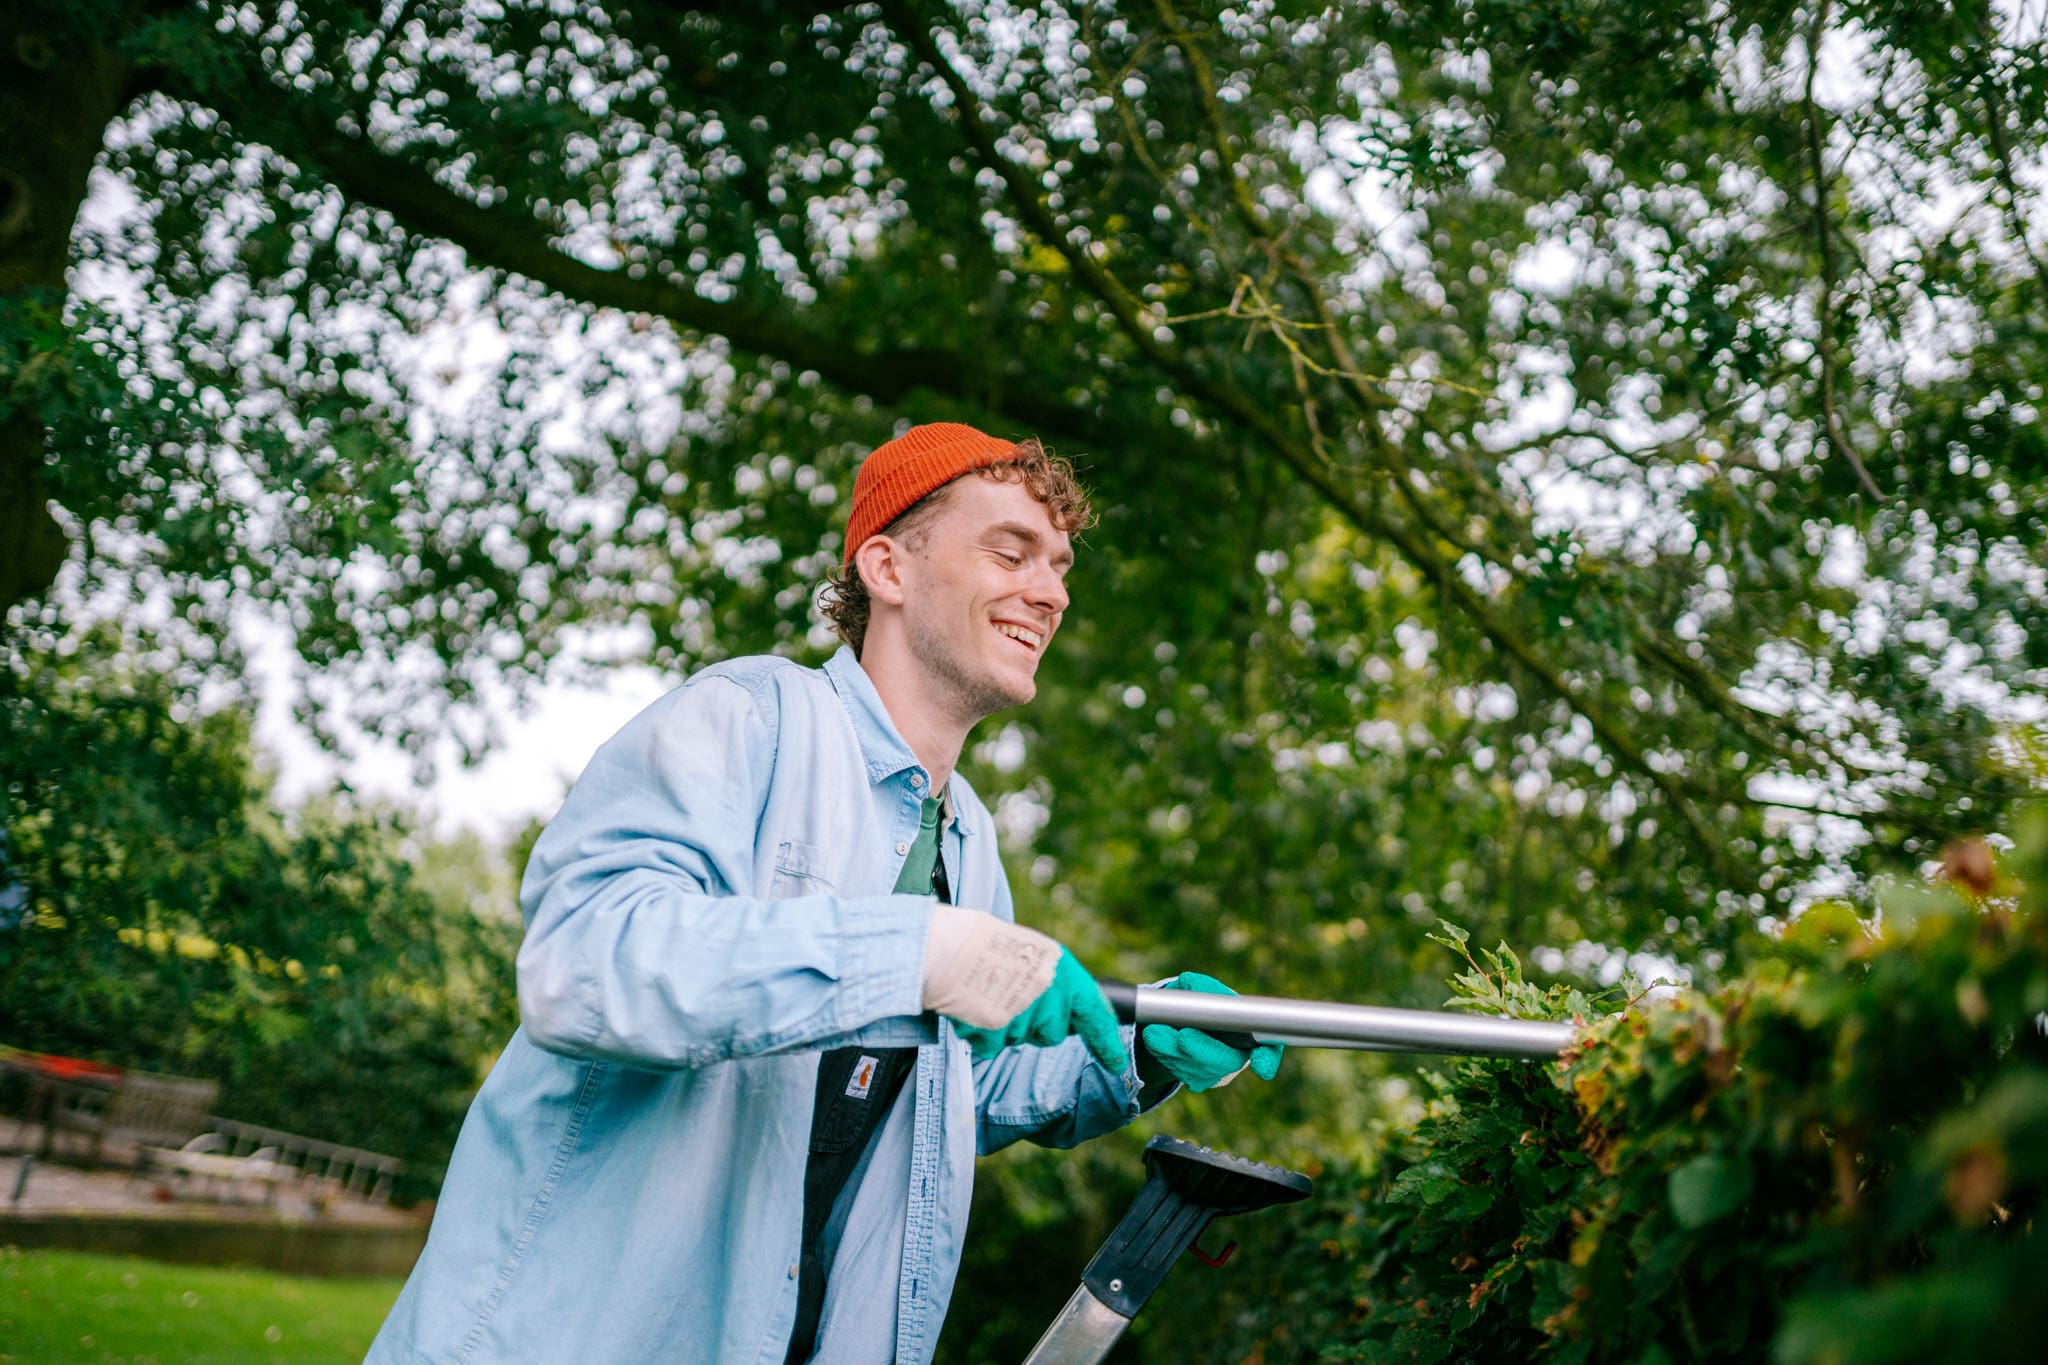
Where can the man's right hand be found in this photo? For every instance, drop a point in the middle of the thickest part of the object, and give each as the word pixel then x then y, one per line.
pixel 1002 984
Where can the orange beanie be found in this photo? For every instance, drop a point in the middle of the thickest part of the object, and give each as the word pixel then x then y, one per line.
pixel 899 472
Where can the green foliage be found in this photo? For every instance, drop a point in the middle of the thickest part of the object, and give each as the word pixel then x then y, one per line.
pixel 172 924
pixel 1839 1156
pixel 1518 476
pixel 62 1306
pixel 1564 467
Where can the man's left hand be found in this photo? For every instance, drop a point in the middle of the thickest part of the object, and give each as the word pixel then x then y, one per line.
pixel 1196 1059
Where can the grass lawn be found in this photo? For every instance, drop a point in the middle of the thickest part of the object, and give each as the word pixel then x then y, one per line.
pixel 58 1307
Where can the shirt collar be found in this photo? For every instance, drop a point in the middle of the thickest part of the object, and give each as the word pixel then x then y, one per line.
pixel 882 746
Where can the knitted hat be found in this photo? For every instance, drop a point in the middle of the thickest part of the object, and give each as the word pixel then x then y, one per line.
pixel 901 471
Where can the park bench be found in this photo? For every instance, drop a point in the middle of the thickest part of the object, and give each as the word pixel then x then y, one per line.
pixel 142 1107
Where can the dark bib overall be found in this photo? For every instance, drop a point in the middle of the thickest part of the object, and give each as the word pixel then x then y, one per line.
pixel 857 1086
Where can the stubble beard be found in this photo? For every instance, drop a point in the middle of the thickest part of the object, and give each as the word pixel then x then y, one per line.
pixel 973 696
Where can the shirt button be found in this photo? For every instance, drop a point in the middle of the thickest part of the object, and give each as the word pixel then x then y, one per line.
pixel 917 780
pixel 902 848
pixel 792 1272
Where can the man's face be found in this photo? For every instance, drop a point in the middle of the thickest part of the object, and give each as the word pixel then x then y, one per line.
pixel 985 592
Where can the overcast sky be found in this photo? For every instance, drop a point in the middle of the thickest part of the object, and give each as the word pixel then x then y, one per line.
pixel 524 777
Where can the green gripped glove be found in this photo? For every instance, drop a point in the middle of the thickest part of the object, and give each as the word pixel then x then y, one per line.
pixel 1071 1004
pixel 1197 1060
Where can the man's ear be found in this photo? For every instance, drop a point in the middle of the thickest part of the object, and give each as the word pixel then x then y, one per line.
pixel 881 562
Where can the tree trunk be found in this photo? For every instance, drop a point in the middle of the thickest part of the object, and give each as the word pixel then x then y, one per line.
pixel 65 86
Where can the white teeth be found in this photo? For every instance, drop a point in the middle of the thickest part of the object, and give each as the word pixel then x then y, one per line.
pixel 1029 637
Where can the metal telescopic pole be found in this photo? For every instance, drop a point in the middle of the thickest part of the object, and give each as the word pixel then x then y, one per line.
pixel 1081 1335
pixel 1251 1019
pixel 1186 1187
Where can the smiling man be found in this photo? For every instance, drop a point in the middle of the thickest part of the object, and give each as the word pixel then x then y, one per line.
pixel 773 998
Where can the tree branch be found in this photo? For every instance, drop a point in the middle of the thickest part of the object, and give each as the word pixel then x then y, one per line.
pixel 1824 238
pixel 505 238
pixel 1240 408
pixel 1212 111
pixel 2001 160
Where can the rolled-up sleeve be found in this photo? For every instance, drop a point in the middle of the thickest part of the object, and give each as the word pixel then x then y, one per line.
pixel 647 941
pixel 1056 1096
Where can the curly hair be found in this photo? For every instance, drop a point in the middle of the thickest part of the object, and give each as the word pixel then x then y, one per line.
pixel 1047 477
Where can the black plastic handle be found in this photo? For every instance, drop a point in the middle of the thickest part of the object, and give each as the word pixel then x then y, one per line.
pixel 1186 1186
pixel 1123 998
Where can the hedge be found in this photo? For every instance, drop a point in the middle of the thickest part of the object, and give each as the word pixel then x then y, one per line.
pixel 1838 1156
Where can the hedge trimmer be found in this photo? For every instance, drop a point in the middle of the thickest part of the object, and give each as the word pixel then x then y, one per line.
pixel 1188 1186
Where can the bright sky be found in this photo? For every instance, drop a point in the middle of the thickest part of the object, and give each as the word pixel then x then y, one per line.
pixel 526 775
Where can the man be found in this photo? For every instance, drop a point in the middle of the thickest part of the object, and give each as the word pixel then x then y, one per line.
pixel 773 999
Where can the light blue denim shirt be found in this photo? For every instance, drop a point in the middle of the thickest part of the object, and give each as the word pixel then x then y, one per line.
pixel 708 912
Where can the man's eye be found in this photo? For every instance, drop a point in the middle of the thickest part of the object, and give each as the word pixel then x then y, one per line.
pixel 1014 561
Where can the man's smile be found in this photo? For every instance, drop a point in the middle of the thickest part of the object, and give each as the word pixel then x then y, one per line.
pixel 1032 639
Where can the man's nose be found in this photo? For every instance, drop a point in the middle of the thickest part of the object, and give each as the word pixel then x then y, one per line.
pixel 1048 591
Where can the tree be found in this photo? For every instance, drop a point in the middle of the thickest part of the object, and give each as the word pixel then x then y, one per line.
pixel 1573 469
pixel 168 921
pixel 1687 423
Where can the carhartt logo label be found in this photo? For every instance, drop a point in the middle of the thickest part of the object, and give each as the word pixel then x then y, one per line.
pixel 863 1077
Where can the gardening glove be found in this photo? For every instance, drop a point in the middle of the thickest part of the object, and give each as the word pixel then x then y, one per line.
pixel 1197 1060
pixel 1002 984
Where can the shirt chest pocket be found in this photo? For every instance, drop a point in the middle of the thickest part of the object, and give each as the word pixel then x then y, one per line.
pixel 800 870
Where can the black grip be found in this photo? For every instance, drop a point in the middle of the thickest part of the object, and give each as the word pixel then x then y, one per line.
pixel 1186 1186
pixel 1123 998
